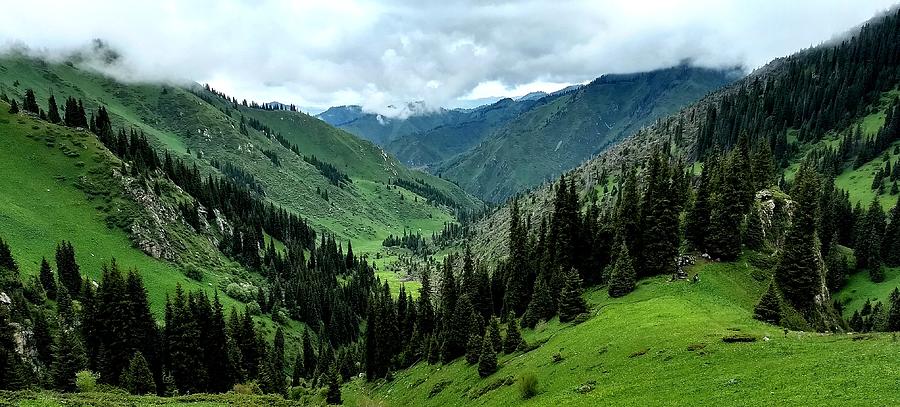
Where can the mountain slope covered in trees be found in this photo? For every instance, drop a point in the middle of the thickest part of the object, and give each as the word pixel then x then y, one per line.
pixel 552 138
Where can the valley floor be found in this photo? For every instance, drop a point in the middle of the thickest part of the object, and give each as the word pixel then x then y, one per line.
pixel 665 344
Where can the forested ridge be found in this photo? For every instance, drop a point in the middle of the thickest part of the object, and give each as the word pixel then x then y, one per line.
pixel 751 171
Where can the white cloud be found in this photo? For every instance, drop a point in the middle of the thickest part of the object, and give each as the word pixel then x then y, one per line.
pixel 381 53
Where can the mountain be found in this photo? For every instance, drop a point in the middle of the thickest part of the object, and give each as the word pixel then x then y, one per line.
pixel 557 136
pixel 708 244
pixel 429 148
pixel 381 129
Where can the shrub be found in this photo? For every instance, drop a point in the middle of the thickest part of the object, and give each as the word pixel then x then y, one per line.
pixel 528 384
pixel 253 308
pixel 251 387
pixel 86 381
pixel 193 272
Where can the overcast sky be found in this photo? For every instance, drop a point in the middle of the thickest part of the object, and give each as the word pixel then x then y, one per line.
pixel 382 52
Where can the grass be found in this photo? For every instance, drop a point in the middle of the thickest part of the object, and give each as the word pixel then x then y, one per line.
pixel 51 399
pixel 668 336
pixel 41 204
pixel 860 288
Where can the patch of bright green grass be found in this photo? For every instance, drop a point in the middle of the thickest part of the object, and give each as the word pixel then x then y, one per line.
pixel 668 337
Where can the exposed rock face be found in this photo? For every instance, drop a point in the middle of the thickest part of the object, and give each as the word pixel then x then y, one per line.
pixel 148 232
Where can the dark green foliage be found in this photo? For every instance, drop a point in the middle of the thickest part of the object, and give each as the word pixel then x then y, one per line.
pixel 7 263
pixel 697 217
pixel 729 202
pixel 869 236
pixel 622 277
pixel 890 245
pixel 47 279
pixel 660 219
pixel 137 378
pixel 13 107
pixel 473 349
pixel 797 273
pixel 275 376
pixel 487 363
pixel 836 268
pixel 53 111
pixel 493 333
pixel 67 268
pixel 333 395
pixel 30 105
pixel 571 304
pixel 754 235
pixel 515 294
pixel 43 339
pixel 68 359
pixel 513 339
pixel 542 307
pixel 769 307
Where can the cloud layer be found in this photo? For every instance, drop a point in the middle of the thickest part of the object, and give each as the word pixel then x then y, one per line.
pixel 381 53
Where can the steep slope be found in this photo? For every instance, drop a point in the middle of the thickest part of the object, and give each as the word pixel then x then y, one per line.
pixel 671 336
pixel 63 184
pixel 562 134
pixel 431 147
pixel 201 128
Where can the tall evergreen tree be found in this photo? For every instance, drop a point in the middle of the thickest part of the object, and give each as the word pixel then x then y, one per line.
pixel 137 378
pixel 571 304
pixel 67 268
pixel 53 111
pixel 30 104
pixel 513 339
pixel 660 221
pixel 487 362
pixel 769 307
pixel 622 276
pixel 68 359
pixel 797 272
pixel 48 281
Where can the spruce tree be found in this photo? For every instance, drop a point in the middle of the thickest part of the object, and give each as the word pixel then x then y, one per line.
pixel 68 359
pixel 137 378
pixel 797 272
pixel 43 339
pixel 660 221
pixel 30 104
pixel 53 111
pixel 754 235
pixel 487 362
pixel 473 348
pixel 571 304
pixel 890 245
pixel 13 107
pixel 493 331
pixel 622 277
pixel 309 356
pixel 697 217
pixel 47 279
pixel 542 306
pixel 513 339
pixel 769 307
pixel 67 268
pixel 333 395
pixel 727 211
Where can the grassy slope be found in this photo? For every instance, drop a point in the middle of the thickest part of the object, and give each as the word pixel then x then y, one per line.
pixel 636 350
pixel 176 119
pixel 41 205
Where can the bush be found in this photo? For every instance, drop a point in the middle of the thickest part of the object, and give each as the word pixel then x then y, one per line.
pixel 193 272
pixel 243 292
pixel 528 384
pixel 253 308
pixel 251 387
pixel 86 381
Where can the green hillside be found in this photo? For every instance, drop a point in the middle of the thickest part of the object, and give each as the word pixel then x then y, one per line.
pixel 551 139
pixel 671 336
pixel 58 184
pixel 176 119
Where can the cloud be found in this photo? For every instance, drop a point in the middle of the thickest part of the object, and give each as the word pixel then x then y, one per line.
pixel 387 53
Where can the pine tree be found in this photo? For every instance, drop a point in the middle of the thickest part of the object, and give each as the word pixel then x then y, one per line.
pixel 797 272
pixel 622 276
pixel 309 356
pixel 890 245
pixel 754 235
pixel 660 221
pixel 43 339
pixel 47 279
pixel 68 359
pixel 724 240
pixel 516 295
pixel 513 339
pixel 333 395
pixel 571 304
pixel 137 378
pixel 769 307
pixel 869 241
pixel 487 362
pixel 30 104
pixel 13 107
pixel 277 382
pixel 493 332
pixel 697 218
pixel 473 348
pixel 53 111
pixel 6 259
pixel 67 268
pixel 542 307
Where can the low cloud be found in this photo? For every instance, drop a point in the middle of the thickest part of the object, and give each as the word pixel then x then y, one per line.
pixel 384 54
